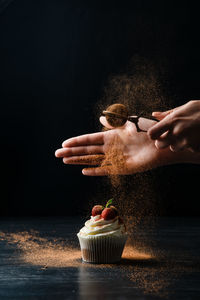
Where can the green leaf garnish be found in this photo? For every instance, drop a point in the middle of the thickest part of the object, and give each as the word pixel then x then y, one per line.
pixel 109 202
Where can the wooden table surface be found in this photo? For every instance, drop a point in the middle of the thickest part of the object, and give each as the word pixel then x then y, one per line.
pixel 35 263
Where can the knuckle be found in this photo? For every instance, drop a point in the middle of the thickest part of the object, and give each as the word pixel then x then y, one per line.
pixel 104 148
pixel 86 150
pixel 150 133
pixel 192 102
pixel 87 139
pixel 68 152
pixel 101 149
pixel 92 149
pixel 64 160
pixel 185 142
pixel 173 118
pixel 177 130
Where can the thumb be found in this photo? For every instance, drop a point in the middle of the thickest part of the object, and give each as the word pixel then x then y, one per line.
pixel 104 122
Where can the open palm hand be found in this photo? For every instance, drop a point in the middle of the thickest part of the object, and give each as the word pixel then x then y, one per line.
pixel 115 151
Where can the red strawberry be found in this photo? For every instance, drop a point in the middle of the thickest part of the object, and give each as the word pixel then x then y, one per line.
pixel 97 210
pixel 108 214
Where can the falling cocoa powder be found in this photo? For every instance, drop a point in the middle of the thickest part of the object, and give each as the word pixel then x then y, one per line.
pixel 140 88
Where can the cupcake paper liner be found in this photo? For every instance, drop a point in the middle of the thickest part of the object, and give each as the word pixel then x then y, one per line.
pixel 102 249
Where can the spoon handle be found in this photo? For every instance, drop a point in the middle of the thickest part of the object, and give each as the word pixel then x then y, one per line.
pixel 135 120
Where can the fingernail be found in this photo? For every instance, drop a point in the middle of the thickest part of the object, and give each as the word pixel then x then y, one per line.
pixel 156 145
pixel 84 172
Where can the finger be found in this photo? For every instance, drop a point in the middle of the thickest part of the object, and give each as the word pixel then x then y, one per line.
pixel 82 150
pixel 194 148
pixel 163 113
pixel 159 128
pixel 99 171
pixel 84 140
pixel 105 123
pixel 162 144
pixel 178 146
pixel 90 160
pixel 164 141
pixel 158 116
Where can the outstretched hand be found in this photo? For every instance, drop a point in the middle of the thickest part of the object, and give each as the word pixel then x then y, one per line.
pixel 139 152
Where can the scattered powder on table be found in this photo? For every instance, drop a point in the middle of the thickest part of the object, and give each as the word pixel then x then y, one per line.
pixel 41 251
pixel 150 273
pixel 38 250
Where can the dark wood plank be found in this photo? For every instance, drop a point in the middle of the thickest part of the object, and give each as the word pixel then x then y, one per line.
pixel 173 273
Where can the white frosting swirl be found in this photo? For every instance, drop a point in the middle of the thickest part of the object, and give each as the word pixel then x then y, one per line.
pixel 98 226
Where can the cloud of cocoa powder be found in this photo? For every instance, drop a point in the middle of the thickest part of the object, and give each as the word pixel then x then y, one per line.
pixel 140 86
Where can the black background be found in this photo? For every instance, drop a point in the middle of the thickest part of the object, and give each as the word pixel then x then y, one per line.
pixel 55 59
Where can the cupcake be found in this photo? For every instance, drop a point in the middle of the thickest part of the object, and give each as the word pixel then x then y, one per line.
pixel 103 237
